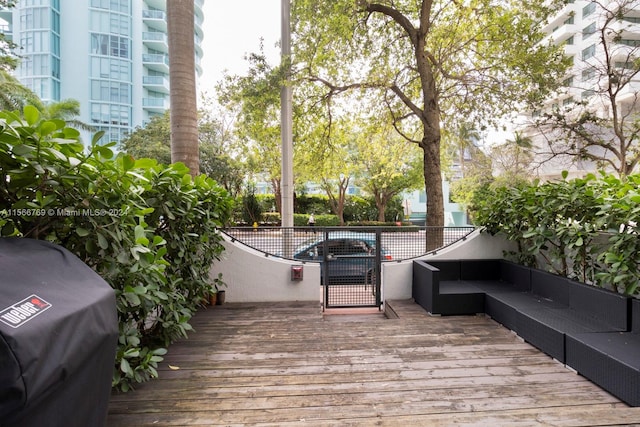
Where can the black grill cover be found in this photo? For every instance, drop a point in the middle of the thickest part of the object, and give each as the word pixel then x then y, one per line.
pixel 58 336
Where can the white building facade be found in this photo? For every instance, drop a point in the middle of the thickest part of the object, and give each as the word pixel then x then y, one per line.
pixel 603 41
pixel 110 55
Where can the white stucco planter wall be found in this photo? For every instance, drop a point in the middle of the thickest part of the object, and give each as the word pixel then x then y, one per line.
pixel 397 277
pixel 253 277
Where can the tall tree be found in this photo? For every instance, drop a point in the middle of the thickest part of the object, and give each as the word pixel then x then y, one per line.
pixel 513 159
pixel 332 160
pixel 216 160
pixel 602 123
pixel 182 80
pixel 390 165
pixel 427 60
pixel 460 144
pixel 255 99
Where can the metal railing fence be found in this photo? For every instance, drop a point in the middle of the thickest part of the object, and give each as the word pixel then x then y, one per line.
pixel 398 243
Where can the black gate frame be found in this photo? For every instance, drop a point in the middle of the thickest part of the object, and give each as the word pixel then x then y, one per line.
pixel 351 300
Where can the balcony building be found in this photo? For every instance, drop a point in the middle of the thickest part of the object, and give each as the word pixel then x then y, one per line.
pixel 110 55
pixel 578 28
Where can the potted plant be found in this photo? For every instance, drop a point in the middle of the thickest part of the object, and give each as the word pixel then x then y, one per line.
pixel 213 297
pixel 219 293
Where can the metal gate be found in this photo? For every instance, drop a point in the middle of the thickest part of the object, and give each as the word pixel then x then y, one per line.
pixel 351 267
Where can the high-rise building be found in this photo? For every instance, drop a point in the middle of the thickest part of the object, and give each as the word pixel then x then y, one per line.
pixel 603 41
pixel 578 27
pixel 110 55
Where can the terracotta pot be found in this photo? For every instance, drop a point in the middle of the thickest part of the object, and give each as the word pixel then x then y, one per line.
pixel 213 299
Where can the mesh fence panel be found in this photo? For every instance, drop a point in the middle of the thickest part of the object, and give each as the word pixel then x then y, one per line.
pixel 398 243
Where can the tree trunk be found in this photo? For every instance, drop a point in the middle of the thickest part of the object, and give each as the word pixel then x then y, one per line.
pixel 433 187
pixel 182 80
pixel 381 208
pixel 277 193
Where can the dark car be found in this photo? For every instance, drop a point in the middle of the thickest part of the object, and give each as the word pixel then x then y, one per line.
pixel 350 256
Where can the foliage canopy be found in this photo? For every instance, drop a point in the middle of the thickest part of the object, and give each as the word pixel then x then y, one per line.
pixel 585 228
pixel 147 229
pixel 426 62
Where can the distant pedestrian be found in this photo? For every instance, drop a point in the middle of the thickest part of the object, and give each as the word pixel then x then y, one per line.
pixel 312 223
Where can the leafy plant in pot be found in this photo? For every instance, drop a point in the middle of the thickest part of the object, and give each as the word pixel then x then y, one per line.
pixel 218 294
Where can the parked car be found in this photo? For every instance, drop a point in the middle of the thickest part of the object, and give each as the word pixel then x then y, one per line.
pixel 350 257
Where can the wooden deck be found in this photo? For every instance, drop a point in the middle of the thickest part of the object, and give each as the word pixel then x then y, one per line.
pixel 286 364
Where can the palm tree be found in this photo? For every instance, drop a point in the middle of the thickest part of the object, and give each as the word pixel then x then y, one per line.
pixel 67 110
pixel 514 157
pixel 182 80
pixel 14 95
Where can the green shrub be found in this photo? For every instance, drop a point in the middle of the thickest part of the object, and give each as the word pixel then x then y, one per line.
pixel 267 202
pixel 149 230
pixel 251 208
pixel 584 228
pixel 302 220
pixel 271 218
pixel 318 204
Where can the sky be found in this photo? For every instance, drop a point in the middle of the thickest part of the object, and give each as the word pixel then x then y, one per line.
pixel 232 29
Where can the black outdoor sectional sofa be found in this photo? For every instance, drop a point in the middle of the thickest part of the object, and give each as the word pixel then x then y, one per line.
pixel 592 330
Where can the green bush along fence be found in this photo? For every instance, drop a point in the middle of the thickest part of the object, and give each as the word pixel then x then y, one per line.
pixel 148 229
pixel 584 228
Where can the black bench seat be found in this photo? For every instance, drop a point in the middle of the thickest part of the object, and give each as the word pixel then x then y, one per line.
pixel 610 359
pixel 588 328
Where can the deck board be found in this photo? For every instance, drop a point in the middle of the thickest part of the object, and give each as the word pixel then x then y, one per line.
pixel 286 364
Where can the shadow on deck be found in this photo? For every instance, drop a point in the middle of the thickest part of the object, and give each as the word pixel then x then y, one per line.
pixel 287 364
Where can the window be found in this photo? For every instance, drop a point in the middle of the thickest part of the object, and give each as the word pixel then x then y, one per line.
pixel 55 67
pixel 589 52
pixel 39 86
pixel 356 247
pixel 588 74
pixel 568 82
pixel 630 42
pixel 588 9
pixel 35 41
pixel 34 18
pixel 55 90
pixel 120 70
pixel 587 94
pixel 119 24
pixel 35 65
pixel 55 45
pixel 119 47
pixel 110 45
pixel 109 23
pixel 626 65
pixel 99 21
pixel 122 6
pixel 100 44
pixel 55 22
pixel 110 91
pixel 119 115
pixel 589 30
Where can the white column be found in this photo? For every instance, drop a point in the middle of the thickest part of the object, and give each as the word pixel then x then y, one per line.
pixel 286 124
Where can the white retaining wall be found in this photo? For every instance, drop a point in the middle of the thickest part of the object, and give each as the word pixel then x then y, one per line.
pixel 253 277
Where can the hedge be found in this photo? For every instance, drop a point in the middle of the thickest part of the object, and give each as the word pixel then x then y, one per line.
pixel 148 229
pixel 585 228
